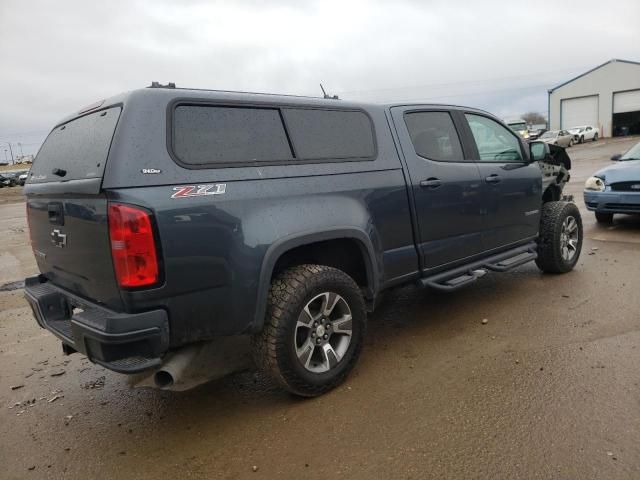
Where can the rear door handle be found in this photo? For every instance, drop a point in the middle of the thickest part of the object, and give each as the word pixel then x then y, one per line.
pixel 431 183
pixel 493 178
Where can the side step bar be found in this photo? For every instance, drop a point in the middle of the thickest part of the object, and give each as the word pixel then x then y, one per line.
pixel 466 274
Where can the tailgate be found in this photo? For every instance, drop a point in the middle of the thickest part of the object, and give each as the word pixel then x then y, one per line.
pixel 70 240
pixel 67 211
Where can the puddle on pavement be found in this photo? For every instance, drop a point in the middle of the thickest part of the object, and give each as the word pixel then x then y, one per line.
pixel 8 287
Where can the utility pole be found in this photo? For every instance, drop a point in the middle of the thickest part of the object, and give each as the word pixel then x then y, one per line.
pixel 21 153
pixel 11 151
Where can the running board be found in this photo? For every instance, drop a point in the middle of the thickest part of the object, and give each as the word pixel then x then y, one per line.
pixel 512 262
pixel 467 274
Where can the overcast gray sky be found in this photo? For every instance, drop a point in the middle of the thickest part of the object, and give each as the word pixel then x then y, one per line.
pixel 57 56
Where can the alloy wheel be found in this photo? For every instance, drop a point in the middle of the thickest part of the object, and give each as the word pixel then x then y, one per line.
pixel 569 238
pixel 323 332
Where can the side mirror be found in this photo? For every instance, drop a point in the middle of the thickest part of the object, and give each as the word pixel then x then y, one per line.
pixel 616 157
pixel 539 151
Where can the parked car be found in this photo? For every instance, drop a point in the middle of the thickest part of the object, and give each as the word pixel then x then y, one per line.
pixel 621 131
pixel 520 127
pixel 13 178
pixel 587 132
pixel 166 218
pixel 22 177
pixel 9 179
pixel 562 138
pixel 615 189
pixel 536 133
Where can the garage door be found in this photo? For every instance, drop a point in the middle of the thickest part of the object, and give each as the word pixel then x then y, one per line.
pixel 579 111
pixel 626 113
pixel 626 101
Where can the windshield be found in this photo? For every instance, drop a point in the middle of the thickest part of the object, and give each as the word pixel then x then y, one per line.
pixel 518 127
pixel 633 153
pixel 548 134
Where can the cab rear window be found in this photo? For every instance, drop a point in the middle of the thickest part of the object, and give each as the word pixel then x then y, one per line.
pixel 77 149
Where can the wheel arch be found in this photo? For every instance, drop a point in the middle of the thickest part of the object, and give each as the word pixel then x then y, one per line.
pixel 297 243
pixel 552 193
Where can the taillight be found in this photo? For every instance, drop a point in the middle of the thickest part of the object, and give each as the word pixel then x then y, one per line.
pixel 133 246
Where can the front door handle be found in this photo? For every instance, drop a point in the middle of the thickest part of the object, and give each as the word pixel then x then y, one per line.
pixel 431 183
pixel 493 178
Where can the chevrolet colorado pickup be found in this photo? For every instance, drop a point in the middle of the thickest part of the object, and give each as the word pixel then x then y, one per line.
pixel 165 217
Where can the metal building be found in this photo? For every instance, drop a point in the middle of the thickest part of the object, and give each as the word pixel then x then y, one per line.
pixel 606 97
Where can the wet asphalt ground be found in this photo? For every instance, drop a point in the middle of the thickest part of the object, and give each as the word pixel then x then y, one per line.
pixel 549 387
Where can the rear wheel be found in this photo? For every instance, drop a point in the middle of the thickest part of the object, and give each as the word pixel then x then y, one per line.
pixel 595 137
pixel 604 217
pixel 560 239
pixel 313 331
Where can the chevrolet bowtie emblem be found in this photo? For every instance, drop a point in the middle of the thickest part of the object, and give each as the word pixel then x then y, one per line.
pixel 58 239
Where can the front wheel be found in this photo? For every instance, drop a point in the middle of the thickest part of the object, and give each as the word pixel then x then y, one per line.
pixel 560 238
pixel 314 329
pixel 571 143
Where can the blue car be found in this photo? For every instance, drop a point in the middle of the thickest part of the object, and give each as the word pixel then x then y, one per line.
pixel 615 189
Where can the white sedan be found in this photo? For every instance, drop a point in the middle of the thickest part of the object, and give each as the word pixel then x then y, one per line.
pixel 586 132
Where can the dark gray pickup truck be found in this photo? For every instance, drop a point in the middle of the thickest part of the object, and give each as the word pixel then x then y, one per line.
pixel 164 217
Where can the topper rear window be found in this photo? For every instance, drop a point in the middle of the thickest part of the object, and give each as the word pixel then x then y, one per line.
pixel 76 150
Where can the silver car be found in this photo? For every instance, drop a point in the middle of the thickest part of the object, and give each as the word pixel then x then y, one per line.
pixel 561 138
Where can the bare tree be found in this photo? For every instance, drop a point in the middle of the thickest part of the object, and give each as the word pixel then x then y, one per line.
pixel 534 118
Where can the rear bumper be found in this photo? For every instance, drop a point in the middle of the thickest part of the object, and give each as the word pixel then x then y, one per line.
pixel 612 202
pixel 125 343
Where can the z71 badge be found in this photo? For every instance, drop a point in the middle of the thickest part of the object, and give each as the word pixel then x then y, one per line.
pixel 199 190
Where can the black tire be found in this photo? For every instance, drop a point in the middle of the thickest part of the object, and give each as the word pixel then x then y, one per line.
pixel 606 218
pixel 552 234
pixel 595 138
pixel 581 139
pixel 275 347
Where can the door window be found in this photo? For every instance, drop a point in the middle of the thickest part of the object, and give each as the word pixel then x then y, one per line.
pixel 434 136
pixel 495 143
